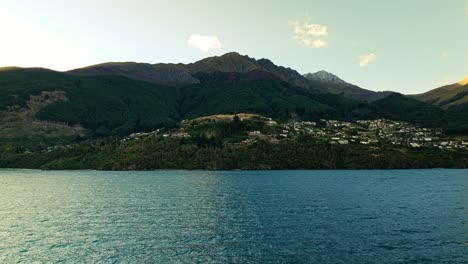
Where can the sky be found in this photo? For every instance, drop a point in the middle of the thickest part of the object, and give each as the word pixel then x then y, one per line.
pixel 400 45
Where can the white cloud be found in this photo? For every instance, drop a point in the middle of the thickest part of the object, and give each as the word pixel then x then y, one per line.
pixel 204 43
pixel 444 54
pixel 310 34
pixel 364 60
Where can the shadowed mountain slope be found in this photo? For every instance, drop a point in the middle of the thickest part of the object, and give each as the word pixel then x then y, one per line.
pixel 184 74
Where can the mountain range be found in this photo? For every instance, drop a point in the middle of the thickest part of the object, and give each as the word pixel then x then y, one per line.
pixel 118 98
pixel 184 74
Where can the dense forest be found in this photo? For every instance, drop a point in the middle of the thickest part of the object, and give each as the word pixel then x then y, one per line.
pixel 304 153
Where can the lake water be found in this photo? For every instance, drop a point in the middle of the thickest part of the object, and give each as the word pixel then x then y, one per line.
pixel 401 216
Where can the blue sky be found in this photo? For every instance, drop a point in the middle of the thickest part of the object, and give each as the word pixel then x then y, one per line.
pixel 404 46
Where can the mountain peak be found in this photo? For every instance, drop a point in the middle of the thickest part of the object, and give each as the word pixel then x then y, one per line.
pixel 229 56
pixel 232 54
pixel 229 62
pixel 324 76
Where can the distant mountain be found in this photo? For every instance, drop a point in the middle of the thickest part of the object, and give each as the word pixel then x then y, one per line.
pixel 329 83
pixel 453 97
pixel 325 77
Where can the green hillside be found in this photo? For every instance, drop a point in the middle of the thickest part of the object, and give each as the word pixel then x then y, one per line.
pixel 400 107
pixel 104 104
pixel 116 105
pixel 236 92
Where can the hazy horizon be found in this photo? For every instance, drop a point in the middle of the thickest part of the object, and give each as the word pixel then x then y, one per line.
pixel 407 47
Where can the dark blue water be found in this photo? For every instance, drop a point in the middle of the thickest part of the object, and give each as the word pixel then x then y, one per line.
pixel 412 216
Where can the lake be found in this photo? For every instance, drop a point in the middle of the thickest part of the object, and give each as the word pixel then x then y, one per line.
pixel 398 216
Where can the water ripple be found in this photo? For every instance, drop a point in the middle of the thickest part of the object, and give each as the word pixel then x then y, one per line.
pixel 416 216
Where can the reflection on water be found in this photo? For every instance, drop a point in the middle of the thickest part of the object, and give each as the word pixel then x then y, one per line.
pixel 417 216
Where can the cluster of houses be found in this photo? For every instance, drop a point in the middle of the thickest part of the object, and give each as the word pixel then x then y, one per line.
pixel 140 135
pixel 363 132
pixel 180 133
pixel 52 148
pixel 177 134
pixel 371 132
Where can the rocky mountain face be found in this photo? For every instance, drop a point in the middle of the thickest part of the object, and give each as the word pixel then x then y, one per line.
pixel 324 76
pixel 329 83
